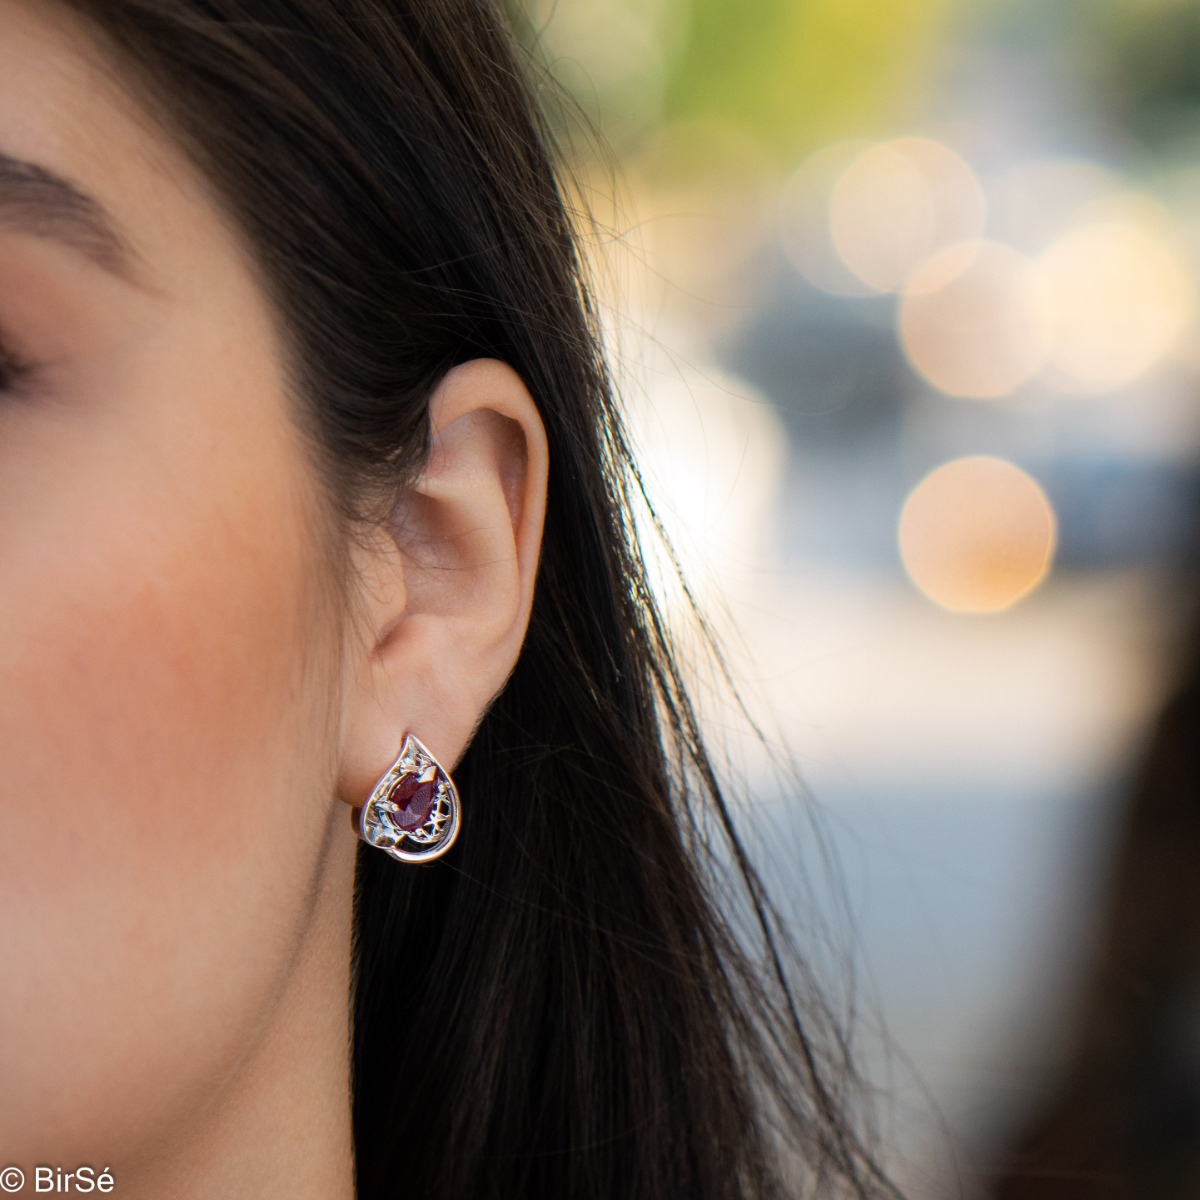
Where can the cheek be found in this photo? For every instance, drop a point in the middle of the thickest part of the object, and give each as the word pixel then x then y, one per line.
pixel 166 732
pixel 144 671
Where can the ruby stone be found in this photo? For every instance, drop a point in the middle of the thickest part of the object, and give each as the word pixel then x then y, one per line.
pixel 414 800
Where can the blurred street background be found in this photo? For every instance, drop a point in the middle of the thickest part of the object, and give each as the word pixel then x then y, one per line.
pixel 903 299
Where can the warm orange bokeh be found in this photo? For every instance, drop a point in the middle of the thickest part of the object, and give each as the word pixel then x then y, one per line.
pixel 977 535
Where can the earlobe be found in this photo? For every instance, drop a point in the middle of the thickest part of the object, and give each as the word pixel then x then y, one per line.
pixel 446 591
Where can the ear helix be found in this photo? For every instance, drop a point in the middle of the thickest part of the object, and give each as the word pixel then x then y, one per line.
pixel 413 811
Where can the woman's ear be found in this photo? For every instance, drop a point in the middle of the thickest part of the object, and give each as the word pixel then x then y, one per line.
pixel 444 594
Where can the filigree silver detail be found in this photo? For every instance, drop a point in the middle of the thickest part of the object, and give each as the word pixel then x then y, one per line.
pixel 379 821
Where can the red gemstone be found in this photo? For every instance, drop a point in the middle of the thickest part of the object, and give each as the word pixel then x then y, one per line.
pixel 415 801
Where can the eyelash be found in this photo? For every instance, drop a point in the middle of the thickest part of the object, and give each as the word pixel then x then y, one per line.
pixel 12 369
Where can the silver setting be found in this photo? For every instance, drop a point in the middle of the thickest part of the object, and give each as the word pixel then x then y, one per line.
pixel 427 841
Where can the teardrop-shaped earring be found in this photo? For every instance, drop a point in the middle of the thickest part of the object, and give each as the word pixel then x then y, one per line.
pixel 413 811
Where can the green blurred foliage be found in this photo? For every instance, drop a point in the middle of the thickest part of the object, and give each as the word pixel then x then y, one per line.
pixel 792 74
pixel 1148 58
pixel 1133 65
pixel 799 73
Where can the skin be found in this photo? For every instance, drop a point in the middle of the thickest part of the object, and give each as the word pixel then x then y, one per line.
pixel 194 692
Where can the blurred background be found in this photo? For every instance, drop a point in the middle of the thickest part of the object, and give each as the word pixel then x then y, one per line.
pixel 902 295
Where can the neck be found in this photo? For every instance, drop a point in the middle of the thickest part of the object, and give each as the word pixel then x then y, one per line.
pixel 281 1127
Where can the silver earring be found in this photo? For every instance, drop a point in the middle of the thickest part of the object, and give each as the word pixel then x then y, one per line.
pixel 413 811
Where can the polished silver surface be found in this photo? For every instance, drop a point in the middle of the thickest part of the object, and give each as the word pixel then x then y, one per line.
pixel 431 839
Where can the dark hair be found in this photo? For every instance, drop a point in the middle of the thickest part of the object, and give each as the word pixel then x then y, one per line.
pixel 566 1012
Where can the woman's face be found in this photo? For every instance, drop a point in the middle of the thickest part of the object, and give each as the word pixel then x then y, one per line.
pixel 169 632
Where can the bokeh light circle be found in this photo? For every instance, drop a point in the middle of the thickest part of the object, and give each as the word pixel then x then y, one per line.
pixel 977 535
pixel 976 320
pixel 804 226
pixel 1122 300
pixel 897 203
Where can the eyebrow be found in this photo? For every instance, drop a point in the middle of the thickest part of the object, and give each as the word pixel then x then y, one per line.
pixel 36 201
